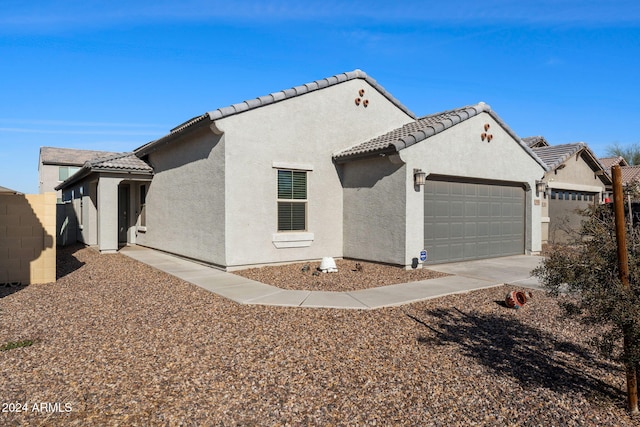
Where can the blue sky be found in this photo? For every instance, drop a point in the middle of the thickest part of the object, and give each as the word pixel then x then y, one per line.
pixel 110 75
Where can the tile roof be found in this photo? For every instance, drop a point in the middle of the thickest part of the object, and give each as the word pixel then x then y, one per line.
pixel 69 156
pixel 271 99
pixel 115 162
pixel 630 174
pixel 535 141
pixel 555 155
pixel 119 162
pixel 422 129
pixel 413 132
pixel 608 162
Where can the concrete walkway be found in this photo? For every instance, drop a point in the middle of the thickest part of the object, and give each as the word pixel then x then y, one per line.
pixel 467 276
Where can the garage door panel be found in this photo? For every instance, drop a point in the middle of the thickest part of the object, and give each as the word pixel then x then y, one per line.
pixel 472 220
pixel 471 208
pixel 470 190
pixel 456 251
pixel 442 230
pixel 484 210
pixel 470 230
pixel 442 209
pixel 456 189
pixel 483 230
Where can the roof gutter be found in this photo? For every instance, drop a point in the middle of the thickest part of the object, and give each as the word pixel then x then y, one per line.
pixel 384 152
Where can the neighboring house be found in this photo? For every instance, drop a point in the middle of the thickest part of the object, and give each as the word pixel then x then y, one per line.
pixel 336 167
pixel 609 162
pixel 57 164
pixel 575 181
pixel 628 175
pixel 535 141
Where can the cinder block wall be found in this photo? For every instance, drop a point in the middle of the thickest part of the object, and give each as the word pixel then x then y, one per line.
pixel 28 238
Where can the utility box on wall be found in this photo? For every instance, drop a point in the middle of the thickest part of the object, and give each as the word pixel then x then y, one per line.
pixel 27 237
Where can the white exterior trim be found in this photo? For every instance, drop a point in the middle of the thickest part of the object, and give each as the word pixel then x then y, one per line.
pixel 292 166
pixel 292 240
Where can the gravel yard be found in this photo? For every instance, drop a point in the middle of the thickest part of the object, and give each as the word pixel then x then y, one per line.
pixel 351 276
pixel 119 343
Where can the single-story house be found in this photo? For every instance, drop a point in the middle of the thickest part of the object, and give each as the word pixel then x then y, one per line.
pixel 336 167
pixel 576 180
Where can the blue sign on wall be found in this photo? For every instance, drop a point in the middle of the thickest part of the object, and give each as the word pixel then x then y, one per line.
pixel 423 256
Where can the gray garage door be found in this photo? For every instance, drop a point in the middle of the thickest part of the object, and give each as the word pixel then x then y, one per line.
pixel 464 221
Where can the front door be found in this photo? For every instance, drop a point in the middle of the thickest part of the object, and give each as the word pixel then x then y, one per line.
pixel 123 213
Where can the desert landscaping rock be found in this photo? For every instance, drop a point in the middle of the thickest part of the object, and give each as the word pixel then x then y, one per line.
pixel 123 344
pixel 351 276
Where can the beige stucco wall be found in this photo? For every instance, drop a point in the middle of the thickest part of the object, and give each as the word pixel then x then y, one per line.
pixel 576 175
pixel 27 238
pixel 299 133
pixel 460 152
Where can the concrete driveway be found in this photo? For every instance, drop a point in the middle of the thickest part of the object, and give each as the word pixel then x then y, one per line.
pixel 512 270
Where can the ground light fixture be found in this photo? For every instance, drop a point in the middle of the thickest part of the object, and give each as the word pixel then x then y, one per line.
pixel 419 177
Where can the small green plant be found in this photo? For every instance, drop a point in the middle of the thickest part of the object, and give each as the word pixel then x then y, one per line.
pixel 16 344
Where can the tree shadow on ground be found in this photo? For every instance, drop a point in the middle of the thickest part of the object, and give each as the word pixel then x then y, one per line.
pixel 67 263
pixel 530 356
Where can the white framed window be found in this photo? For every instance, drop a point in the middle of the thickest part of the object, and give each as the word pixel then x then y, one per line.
pixel 65 172
pixel 292 200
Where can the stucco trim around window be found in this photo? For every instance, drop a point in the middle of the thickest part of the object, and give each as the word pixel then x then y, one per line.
pixel 292 166
pixel 292 240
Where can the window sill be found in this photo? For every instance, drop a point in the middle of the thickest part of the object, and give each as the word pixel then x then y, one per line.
pixel 142 229
pixel 292 240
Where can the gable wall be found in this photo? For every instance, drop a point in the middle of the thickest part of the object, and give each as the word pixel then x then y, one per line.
pixel 300 132
pixel 576 175
pixel 460 152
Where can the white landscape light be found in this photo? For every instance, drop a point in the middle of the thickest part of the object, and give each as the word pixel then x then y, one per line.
pixel 419 177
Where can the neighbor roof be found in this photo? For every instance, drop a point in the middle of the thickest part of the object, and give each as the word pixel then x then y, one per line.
pixel 535 141
pixel 608 162
pixel 555 155
pixel 271 99
pixel 69 156
pixel 5 190
pixel 421 129
pixel 630 174
pixel 117 162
